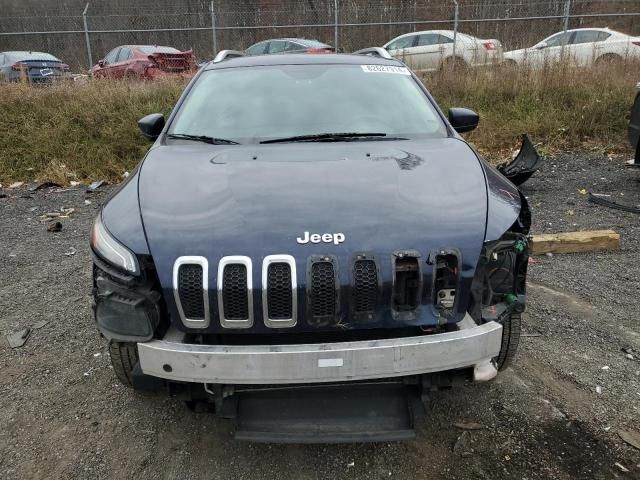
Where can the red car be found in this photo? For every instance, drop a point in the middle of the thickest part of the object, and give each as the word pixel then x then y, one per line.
pixel 145 61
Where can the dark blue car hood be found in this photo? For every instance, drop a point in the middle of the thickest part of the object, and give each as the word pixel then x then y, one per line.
pixel 256 200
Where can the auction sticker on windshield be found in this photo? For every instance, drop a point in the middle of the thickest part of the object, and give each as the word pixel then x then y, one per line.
pixel 385 69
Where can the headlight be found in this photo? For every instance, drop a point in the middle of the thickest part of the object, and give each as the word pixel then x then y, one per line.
pixel 111 250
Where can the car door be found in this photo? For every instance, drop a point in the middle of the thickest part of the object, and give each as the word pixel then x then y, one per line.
pixel 119 68
pixel 553 49
pixel 401 49
pixel 583 47
pixel 429 51
pixel 3 66
pixel 107 64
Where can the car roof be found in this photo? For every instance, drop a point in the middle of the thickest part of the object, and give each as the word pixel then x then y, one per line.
pixel 303 59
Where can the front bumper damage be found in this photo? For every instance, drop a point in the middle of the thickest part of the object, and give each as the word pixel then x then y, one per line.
pixel 471 346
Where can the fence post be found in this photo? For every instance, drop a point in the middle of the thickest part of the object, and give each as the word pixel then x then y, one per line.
pixel 567 13
pixel 86 35
pixel 335 28
pixel 456 14
pixel 213 28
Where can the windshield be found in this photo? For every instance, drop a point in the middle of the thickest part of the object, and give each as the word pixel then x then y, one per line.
pixel 250 105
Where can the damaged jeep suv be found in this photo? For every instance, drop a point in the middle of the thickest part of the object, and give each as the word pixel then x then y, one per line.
pixel 310 248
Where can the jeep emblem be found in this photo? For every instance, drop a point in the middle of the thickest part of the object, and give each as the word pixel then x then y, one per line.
pixel 335 238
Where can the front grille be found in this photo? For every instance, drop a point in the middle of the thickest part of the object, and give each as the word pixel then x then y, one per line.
pixel 365 287
pixel 323 293
pixel 190 291
pixel 279 291
pixel 234 292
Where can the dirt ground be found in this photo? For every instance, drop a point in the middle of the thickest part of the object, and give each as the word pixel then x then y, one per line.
pixel 557 413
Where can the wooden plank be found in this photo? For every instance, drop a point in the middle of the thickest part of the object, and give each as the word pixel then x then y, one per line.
pixel 575 242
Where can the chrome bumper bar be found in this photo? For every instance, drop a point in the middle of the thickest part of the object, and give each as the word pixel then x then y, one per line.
pixel 471 346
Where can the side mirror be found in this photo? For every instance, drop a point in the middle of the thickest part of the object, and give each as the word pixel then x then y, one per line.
pixel 151 125
pixel 541 45
pixel 463 120
pixel 101 63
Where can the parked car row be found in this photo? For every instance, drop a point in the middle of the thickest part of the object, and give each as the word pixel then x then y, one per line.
pixel 423 51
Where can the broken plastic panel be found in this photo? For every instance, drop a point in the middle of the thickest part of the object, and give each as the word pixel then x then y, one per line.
pixel 526 163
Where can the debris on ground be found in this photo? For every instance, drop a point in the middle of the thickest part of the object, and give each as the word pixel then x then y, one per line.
pixel 598 389
pixel 3 195
pixel 39 324
pixel 74 183
pixel 621 467
pixel 16 185
pixel 462 445
pixel 125 175
pixel 469 426
pixel 19 338
pixel 632 438
pixel 96 185
pixel 87 202
pixel 54 227
pixel 71 252
pixel 600 200
pixel 41 185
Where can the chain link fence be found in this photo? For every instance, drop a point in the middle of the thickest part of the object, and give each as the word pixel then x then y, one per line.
pixel 85 35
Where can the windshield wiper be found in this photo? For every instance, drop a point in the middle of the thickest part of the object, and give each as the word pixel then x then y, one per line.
pixel 330 137
pixel 202 138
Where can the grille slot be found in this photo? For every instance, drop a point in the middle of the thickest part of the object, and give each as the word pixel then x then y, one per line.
pixel 234 292
pixel 279 291
pixel 323 295
pixel 365 288
pixel 190 291
pixel 279 305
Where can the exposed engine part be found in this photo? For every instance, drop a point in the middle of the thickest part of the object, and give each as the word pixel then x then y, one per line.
pixel 526 163
pixel 498 287
pixel 406 289
pixel 445 282
pixel 446 298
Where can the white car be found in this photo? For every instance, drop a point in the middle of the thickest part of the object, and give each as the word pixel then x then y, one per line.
pixel 431 50
pixel 580 47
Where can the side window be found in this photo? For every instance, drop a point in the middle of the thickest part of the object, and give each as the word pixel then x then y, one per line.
pixel 111 57
pixel 125 54
pixel 443 39
pixel 404 42
pixel 559 40
pixel 294 47
pixel 427 39
pixel 1 59
pixel 587 36
pixel 258 48
pixel 602 36
pixel 277 46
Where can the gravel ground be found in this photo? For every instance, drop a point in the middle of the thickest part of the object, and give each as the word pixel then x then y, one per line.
pixel 63 414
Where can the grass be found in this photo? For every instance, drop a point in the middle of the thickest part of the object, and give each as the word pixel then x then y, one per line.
pixel 88 131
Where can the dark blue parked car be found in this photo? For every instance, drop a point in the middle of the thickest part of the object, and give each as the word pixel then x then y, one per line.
pixel 309 246
pixel 35 67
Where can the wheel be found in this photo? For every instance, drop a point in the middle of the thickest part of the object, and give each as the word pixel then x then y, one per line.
pixel 124 357
pixel 510 340
pixel 608 59
pixel 451 63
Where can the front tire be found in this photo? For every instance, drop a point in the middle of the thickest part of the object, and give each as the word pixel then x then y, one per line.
pixel 124 357
pixel 510 340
